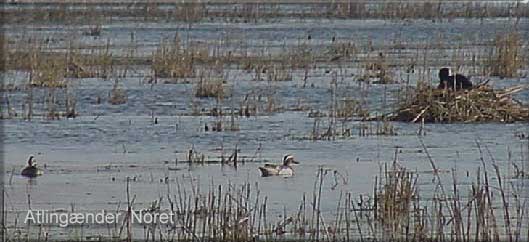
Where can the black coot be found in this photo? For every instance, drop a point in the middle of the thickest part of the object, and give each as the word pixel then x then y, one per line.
pixel 449 81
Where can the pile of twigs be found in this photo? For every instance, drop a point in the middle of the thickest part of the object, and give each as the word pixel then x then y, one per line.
pixel 481 104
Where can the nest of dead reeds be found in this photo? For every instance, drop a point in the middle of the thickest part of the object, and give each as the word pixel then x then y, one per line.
pixel 481 104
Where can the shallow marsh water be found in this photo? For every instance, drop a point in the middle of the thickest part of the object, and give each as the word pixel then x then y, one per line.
pixel 88 159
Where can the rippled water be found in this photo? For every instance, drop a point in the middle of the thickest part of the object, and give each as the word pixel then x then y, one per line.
pixel 76 152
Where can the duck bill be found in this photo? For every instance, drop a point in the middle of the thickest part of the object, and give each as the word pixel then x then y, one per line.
pixel 295 162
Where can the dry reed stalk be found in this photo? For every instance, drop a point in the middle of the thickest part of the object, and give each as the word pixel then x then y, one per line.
pixel 505 58
pixel 171 60
pixel 117 95
pixel 3 51
pixel 394 201
pixel 210 87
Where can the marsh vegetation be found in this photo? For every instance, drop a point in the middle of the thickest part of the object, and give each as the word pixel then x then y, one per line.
pixel 171 106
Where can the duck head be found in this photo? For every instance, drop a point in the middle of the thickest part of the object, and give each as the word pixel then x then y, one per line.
pixel 288 160
pixel 31 161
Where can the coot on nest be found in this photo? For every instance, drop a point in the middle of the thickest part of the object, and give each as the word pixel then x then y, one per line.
pixel 457 82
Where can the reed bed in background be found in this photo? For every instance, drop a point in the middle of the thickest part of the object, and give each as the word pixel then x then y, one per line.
pixel 172 61
pixel 210 87
pixel 47 74
pixel 506 56
pixel 175 60
pixel 178 62
pixel 433 10
pixel 3 52
pixel 48 67
pixel 190 12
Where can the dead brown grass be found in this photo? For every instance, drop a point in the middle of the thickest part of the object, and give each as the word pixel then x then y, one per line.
pixel 210 87
pixel 505 58
pixel 481 104
pixel 172 61
pixel 117 95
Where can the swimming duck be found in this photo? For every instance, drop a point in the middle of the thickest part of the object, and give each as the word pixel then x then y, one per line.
pixel 31 170
pixel 282 170
pixel 446 80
